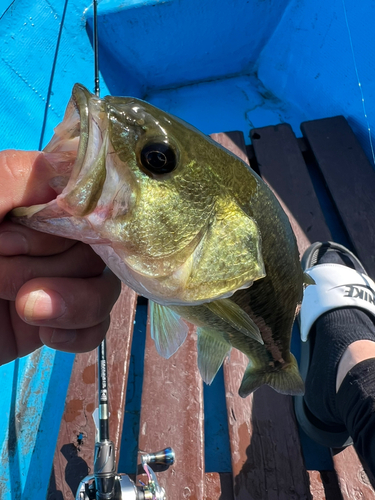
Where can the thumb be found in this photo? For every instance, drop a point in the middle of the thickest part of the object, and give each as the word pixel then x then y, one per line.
pixel 24 180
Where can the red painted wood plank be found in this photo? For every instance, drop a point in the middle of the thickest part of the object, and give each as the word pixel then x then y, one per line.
pixel 219 486
pixel 75 446
pixel 324 485
pixel 266 456
pixel 172 415
pixel 353 480
pixel 316 485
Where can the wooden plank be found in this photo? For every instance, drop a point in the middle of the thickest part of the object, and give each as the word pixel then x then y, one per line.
pixel 282 166
pixel 219 486
pixel 316 486
pixel 293 196
pixel 266 457
pixel 74 452
pixel 351 182
pixel 233 142
pixel 350 179
pixel 324 485
pixel 353 480
pixel 172 415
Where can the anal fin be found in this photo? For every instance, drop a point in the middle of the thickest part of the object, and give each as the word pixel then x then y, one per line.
pixel 212 350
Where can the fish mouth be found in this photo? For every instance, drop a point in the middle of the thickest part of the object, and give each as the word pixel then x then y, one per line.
pixel 77 141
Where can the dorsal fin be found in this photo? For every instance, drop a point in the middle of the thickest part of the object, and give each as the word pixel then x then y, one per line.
pixel 212 350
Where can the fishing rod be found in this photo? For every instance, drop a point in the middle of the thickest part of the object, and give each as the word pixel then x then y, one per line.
pixel 106 483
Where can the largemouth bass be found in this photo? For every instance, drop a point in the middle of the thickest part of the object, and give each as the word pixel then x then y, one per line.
pixel 183 222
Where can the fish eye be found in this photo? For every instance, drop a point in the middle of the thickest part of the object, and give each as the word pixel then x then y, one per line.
pixel 158 158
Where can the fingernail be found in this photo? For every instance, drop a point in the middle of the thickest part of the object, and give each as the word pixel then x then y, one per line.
pixel 13 243
pixel 42 304
pixel 63 336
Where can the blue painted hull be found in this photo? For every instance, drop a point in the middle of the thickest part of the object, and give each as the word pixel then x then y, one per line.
pixel 219 64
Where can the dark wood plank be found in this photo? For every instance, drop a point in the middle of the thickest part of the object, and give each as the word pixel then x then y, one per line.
pixel 293 196
pixel 282 166
pixel 74 454
pixel 266 457
pixel 350 179
pixel 172 415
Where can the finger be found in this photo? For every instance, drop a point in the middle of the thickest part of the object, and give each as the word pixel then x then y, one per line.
pixel 68 303
pixel 80 261
pixel 20 240
pixel 24 180
pixel 8 350
pixel 74 340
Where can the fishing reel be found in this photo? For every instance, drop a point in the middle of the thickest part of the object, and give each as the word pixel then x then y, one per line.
pixel 106 484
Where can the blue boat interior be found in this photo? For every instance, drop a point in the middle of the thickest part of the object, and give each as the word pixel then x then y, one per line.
pixel 221 65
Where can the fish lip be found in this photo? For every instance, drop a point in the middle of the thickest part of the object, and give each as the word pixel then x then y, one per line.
pixel 81 97
pixel 77 145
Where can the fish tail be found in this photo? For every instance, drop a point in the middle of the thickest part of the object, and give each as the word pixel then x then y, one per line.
pixel 286 380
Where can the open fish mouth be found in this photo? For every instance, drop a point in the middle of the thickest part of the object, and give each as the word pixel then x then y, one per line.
pixel 77 157
pixel 79 142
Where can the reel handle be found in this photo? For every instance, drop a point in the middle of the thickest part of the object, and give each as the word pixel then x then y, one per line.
pixel 162 457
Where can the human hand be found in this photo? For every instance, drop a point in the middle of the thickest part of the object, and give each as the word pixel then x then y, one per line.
pixel 53 291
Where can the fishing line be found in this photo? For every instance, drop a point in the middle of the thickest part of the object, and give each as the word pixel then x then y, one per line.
pixel 359 82
pixel 96 48
pixel 49 92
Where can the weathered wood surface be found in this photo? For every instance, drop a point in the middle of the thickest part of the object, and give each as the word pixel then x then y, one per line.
pixel 283 168
pixel 172 415
pixel 266 457
pixel 219 486
pixel 352 478
pixel 350 179
pixel 330 159
pixel 74 455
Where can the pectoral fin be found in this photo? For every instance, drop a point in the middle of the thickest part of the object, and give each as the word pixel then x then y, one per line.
pixel 231 313
pixel 212 350
pixel 168 330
